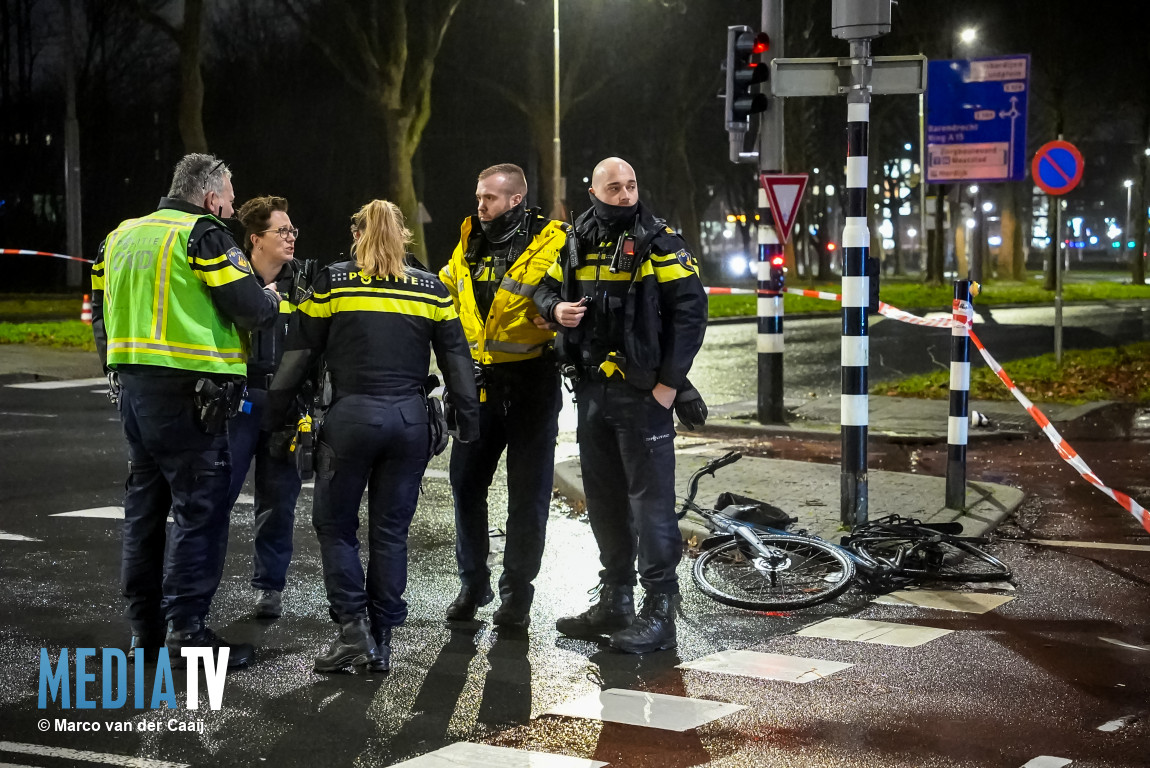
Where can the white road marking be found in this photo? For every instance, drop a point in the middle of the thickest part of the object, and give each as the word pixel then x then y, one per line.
pixel 767 666
pixel 16 537
pixel 246 498
pixel 1119 724
pixel 108 513
pixel 945 600
pixel 91 757
pixel 67 384
pixel 28 415
pixel 1046 761
pixel 1121 644
pixel 438 474
pixel 463 754
pixel 1086 544
pixel 651 710
pixel 877 632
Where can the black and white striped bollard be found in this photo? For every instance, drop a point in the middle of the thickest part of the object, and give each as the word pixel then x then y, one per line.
pixel 958 422
pixel 770 311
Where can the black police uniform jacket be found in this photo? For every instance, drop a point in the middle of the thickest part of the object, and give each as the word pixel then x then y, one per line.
pixel 376 334
pixel 664 310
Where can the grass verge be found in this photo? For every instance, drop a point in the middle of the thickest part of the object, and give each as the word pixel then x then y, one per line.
pixel 69 334
pixel 1089 375
pixel 18 305
pixel 913 295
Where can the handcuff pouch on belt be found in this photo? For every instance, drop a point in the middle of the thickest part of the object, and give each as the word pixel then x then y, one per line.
pixel 436 418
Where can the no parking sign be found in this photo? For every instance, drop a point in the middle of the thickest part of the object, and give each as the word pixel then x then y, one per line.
pixel 1057 167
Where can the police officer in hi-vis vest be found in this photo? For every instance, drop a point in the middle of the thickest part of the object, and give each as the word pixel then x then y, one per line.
pixel 633 313
pixel 502 254
pixel 173 299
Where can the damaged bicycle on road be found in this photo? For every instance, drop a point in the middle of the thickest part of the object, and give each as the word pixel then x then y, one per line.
pixel 753 561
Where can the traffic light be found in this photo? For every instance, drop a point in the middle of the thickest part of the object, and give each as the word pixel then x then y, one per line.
pixel 744 72
pixel 778 274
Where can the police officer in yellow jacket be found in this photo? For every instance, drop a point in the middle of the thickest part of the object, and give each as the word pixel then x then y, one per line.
pixel 503 253
pixel 173 299
pixel 633 313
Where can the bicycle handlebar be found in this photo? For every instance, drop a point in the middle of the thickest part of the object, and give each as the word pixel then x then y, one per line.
pixel 707 469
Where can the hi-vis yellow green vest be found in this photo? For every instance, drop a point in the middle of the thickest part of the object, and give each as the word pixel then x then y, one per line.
pixel 507 334
pixel 157 308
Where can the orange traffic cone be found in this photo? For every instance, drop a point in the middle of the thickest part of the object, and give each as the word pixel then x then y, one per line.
pixel 86 310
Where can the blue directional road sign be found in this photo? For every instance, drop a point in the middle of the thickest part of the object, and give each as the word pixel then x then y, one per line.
pixel 976 119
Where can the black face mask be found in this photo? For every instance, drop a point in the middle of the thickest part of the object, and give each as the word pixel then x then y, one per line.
pixel 502 227
pixel 613 218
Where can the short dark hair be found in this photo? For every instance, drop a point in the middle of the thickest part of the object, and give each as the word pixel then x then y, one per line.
pixel 256 213
pixel 513 173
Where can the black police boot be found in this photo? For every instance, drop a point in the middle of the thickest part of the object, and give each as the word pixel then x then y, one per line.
pixel 514 612
pixel 468 601
pixel 653 629
pixel 614 610
pixel 269 604
pixel 194 633
pixel 382 637
pixel 352 647
pixel 148 638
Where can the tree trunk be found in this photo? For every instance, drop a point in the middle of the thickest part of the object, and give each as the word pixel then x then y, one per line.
pixel 961 264
pixel 541 129
pixel 1011 253
pixel 681 186
pixel 1139 194
pixel 936 258
pixel 400 179
pixel 191 116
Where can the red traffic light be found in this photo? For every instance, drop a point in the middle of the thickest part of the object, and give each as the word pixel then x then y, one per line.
pixel 777 261
pixel 753 43
pixel 830 246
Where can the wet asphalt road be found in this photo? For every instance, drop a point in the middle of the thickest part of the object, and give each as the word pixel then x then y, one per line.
pixel 813 346
pixel 1033 677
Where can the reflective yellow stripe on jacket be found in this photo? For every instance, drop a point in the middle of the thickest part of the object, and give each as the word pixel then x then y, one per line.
pixel 507 334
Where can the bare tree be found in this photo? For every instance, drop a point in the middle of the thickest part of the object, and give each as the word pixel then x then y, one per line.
pixel 385 50
pixel 188 37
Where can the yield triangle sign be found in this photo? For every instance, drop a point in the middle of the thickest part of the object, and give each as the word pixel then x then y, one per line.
pixel 785 191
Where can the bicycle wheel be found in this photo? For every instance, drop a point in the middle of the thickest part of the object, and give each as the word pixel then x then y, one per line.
pixel 801 572
pixel 930 558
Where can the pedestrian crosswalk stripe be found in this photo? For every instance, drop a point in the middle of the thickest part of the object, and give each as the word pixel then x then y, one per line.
pixel 16 537
pixel 1046 761
pixel 766 666
pixel 945 600
pixel 22 415
pixel 877 632
pixel 77 755
pixel 650 710
pixel 437 474
pixel 464 754
pixel 67 384
pixel 108 513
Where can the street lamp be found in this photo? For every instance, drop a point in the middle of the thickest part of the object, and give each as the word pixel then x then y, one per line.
pixel 968 35
pixel 557 173
pixel 1129 184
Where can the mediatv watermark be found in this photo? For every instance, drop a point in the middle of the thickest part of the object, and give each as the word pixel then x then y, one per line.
pixel 73 686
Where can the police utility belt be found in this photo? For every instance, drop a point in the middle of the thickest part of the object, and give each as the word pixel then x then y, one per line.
pixel 216 403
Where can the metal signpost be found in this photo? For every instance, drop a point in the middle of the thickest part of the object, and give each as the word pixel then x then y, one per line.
pixel 976 120
pixel 1057 168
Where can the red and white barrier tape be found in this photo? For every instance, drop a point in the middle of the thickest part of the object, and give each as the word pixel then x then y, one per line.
pixel 22 252
pixel 1065 450
pixel 1068 454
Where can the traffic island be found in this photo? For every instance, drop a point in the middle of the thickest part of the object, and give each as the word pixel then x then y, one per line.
pixel 810 492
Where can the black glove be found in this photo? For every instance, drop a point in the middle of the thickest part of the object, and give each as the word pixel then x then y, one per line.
pixel 689 407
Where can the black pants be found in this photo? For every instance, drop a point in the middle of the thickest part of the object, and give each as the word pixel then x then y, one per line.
pixel 627 453
pixel 379 443
pixel 171 573
pixel 521 415
pixel 277 487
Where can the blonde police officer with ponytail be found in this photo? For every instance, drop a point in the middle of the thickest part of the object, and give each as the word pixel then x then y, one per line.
pixel 503 252
pixel 375 321
pixel 173 299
